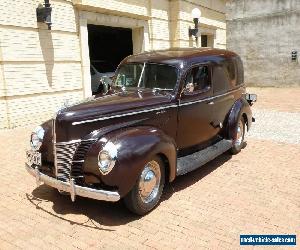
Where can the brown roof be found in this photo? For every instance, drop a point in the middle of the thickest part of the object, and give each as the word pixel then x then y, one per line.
pixel 176 56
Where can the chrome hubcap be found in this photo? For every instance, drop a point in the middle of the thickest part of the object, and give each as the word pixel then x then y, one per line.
pixel 149 182
pixel 239 134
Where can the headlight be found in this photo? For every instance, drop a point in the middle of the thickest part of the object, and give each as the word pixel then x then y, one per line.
pixel 107 158
pixel 37 138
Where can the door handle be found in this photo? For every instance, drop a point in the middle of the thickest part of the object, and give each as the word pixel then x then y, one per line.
pixel 211 103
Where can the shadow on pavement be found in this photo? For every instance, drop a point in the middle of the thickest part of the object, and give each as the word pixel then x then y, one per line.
pixel 184 181
pixel 100 213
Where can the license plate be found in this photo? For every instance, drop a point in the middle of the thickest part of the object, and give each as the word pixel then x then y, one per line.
pixel 34 158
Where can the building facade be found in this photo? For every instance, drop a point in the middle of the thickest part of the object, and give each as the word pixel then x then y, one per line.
pixel 40 69
pixel 266 34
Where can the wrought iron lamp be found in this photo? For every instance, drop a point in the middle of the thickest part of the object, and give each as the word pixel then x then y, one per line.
pixel 196 13
pixel 43 13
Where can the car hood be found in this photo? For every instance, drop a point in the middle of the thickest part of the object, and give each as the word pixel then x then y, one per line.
pixel 77 121
pixel 116 103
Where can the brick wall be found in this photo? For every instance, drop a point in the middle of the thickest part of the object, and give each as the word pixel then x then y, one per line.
pixel 264 33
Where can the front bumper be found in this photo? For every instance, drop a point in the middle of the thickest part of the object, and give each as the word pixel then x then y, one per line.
pixel 71 188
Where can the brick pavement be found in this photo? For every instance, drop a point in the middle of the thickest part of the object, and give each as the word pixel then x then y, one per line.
pixel 256 191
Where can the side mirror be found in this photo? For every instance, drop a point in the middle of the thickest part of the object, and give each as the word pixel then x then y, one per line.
pixel 105 85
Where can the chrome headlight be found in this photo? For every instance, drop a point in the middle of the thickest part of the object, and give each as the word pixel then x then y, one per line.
pixel 107 158
pixel 36 138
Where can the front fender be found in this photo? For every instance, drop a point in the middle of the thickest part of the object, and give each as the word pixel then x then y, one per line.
pixel 136 146
pixel 240 108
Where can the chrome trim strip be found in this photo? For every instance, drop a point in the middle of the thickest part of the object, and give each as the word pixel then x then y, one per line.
pixel 154 109
pixel 122 115
pixel 72 141
pixel 73 189
pixel 67 143
pixel 208 98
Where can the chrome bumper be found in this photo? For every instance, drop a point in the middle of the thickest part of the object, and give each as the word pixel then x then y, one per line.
pixel 72 188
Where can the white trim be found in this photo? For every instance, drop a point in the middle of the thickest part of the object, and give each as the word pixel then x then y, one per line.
pixel 85 57
pixel 208 98
pixel 154 109
pixel 72 142
pixel 122 115
pixel 198 101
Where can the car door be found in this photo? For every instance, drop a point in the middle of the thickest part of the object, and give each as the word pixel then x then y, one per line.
pixel 195 108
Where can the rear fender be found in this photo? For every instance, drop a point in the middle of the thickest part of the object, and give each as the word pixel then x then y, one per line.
pixel 240 108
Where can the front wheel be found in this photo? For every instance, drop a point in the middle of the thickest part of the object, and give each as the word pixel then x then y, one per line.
pixel 148 189
pixel 238 142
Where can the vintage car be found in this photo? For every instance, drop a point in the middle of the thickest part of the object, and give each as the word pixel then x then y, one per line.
pixel 166 114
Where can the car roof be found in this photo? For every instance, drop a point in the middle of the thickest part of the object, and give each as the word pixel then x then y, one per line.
pixel 177 56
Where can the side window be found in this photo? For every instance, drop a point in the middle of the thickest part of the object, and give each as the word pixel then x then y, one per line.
pixel 240 71
pixel 198 79
pixel 230 71
pixel 220 79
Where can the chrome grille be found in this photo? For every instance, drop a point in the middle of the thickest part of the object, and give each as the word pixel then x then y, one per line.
pixel 78 159
pixel 64 158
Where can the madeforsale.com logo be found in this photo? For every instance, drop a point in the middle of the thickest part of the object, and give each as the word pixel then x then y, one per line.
pixel 258 239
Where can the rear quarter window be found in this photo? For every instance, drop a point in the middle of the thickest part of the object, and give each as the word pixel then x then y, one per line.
pixel 226 75
pixel 240 71
pixel 230 70
pixel 220 79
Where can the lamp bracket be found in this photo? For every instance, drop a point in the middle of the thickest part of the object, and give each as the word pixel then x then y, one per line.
pixel 43 14
pixel 194 31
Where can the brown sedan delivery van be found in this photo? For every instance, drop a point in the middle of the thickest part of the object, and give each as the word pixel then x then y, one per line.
pixel 165 114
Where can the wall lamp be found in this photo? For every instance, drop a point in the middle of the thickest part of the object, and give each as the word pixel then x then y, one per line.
pixel 196 14
pixel 43 13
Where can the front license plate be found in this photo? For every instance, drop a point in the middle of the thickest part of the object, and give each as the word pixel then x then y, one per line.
pixel 34 158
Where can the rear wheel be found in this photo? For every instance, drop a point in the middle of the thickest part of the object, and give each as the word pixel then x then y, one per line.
pixel 148 189
pixel 238 142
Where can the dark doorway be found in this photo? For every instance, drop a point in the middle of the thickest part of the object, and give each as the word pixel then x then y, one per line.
pixel 204 41
pixel 108 46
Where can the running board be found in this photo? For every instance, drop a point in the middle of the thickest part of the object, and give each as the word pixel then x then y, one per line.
pixel 193 161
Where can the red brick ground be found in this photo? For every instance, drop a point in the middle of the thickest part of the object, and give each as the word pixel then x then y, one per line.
pixel 255 192
pixel 280 99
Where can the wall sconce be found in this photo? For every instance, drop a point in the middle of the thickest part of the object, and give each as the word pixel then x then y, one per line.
pixel 196 13
pixel 43 13
pixel 294 55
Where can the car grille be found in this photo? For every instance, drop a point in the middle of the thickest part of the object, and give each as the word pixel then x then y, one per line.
pixel 64 157
pixel 70 158
pixel 78 160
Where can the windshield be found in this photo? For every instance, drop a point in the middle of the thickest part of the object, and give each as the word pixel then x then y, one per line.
pixel 146 75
